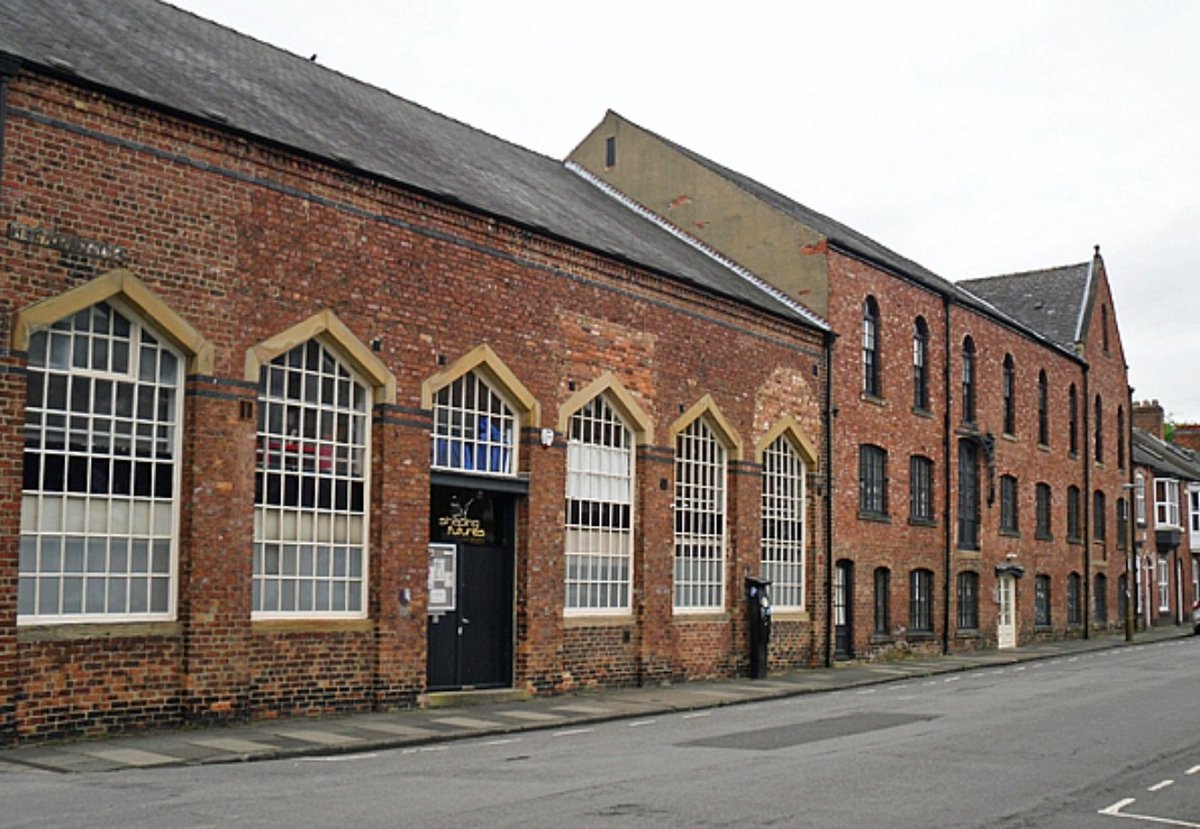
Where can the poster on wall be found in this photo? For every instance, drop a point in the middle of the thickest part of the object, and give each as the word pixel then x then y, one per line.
pixel 443 566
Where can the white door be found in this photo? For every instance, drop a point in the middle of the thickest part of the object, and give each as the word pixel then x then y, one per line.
pixel 1006 622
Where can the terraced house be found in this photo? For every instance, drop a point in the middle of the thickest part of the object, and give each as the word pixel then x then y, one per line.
pixel 981 432
pixel 312 399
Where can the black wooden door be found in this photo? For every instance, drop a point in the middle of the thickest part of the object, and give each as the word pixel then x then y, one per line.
pixel 843 610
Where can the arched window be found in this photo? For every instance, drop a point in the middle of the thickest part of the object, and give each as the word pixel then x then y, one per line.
pixel 1104 327
pixel 883 601
pixel 474 428
pixel 99 507
pixel 783 526
pixel 1043 406
pixel 870 348
pixel 1100 598
pixel 700 464
pixel 968 600
pixel 920 365
pixel 1074 599
pixel 599 530
pixel 920 601
pixel 1120 437
pixel 1041 600
pixel 1099 516
pixel 1010 392
pixel 310 523
pixel 968 380
pixel 1072 420
pixel 968 495
pixel 1098 440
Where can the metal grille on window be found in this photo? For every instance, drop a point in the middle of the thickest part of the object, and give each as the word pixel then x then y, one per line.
pixel 310 521
pixel 473 428
pixel 699 519
pixel 783 501
pixel 599 540
pixel 98 509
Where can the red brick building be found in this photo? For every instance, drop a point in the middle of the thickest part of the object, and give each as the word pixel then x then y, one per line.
pixel 314 400
pixel 981 429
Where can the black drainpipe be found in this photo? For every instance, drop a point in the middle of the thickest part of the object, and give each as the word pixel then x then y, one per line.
pixel 1085 509
pixel 948 531
pixel 828 416
pixel 8 70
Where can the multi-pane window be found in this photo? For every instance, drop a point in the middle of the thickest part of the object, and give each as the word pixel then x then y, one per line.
pixel 920 489
pixel 1100 598
pixel 699 519
pixel 968 380
pixel 599 531
pixel 1043 406
pixel 1098 430
pixel 870 348
pixel 1120 437
pixel 1166 503
pixel 1164 584
pixel 1072 421
pixel 1099 516
pixel 1074 528
pixel 1139 499
pixel 872 481
pixel 783 505
pixel 1010 395
pixel 1041 600
pixel 920 601
pixel 1194 518
pixel 920 365
pixel 968 495
pixel 883 607
pixel 101 474
pixel 473 428
pixel 968 601
pixel 310 517
pixel 1044 511
pixel 1074 599
pixel 1009 516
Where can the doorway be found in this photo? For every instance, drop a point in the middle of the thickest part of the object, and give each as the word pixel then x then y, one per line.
pixel 1006 617
pixel 843 610
pixel 470 631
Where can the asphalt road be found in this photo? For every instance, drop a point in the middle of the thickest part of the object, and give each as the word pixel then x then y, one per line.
pixel 1102 739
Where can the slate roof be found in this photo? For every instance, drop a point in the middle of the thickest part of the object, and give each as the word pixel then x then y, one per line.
pixel 838 234
pixel 176 60
pixel 1049 301
pixel 1166 459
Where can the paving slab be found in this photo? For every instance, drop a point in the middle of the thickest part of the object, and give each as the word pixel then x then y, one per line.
pixel 135 757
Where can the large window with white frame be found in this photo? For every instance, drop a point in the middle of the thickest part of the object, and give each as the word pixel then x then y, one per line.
pixel 1166 503
pixel 1139 499
pixel 474 428
pixel 311 487
pixel 699 519
pixel 783 525
pixel 1194 518
pixel 1164 584
pixel 599 532
pixel 99 507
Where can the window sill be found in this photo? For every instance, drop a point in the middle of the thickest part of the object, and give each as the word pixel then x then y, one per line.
pixel 1009 436
pixel 920 636
pixel 96 630
pixel 684 616
pixel 618 619
pixel 1043 537
pixel 790 615
pixel 1043 447
pixel 880 639
pixel 973 552
pixel 311 625
pixel 1010 533
pixel 875 517
pixel 874 400
pixel 920 412
pixel 922 522
pixel 968 633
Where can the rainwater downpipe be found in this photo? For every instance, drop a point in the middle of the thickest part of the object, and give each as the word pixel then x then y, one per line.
pixel 947 531
pixel 827 438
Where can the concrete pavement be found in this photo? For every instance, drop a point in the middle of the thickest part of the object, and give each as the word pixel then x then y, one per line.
pixel 498 715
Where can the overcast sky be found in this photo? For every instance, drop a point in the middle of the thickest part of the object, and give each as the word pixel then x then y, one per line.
pixel 976 138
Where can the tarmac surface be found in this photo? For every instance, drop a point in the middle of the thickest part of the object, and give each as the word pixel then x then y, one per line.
pixel 483 714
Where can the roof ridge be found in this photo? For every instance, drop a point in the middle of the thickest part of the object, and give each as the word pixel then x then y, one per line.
pixel 1033 272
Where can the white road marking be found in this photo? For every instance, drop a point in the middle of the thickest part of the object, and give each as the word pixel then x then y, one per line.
pixel 865 692
pixel 640 723
pixel 952 679
pixel 1115 811
pixel 696 714
pixel 1157 787
pixel 432 748
pixel 1193 770
pixel 571 732
pixel 1118 806
pixel 340 758
pixel 502 742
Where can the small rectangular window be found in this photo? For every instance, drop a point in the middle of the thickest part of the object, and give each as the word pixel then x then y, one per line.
pixel 610 151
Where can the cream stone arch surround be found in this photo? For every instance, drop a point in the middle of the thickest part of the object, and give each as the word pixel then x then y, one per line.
pixel 333 333
pixel 789 428
pixel 707 408
pixel 619 397
pixel 487 363
pixel 132 291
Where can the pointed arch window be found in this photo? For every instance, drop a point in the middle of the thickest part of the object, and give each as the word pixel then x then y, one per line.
pixel 1098 430
pixel 1072 421
pixel 1120 437
pixel 870 348
pixel 783 526
pixel 599 531
pixel 99 507
pixel 311 486
pixel 474 428
pixel 700 468
pixel 1043 409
